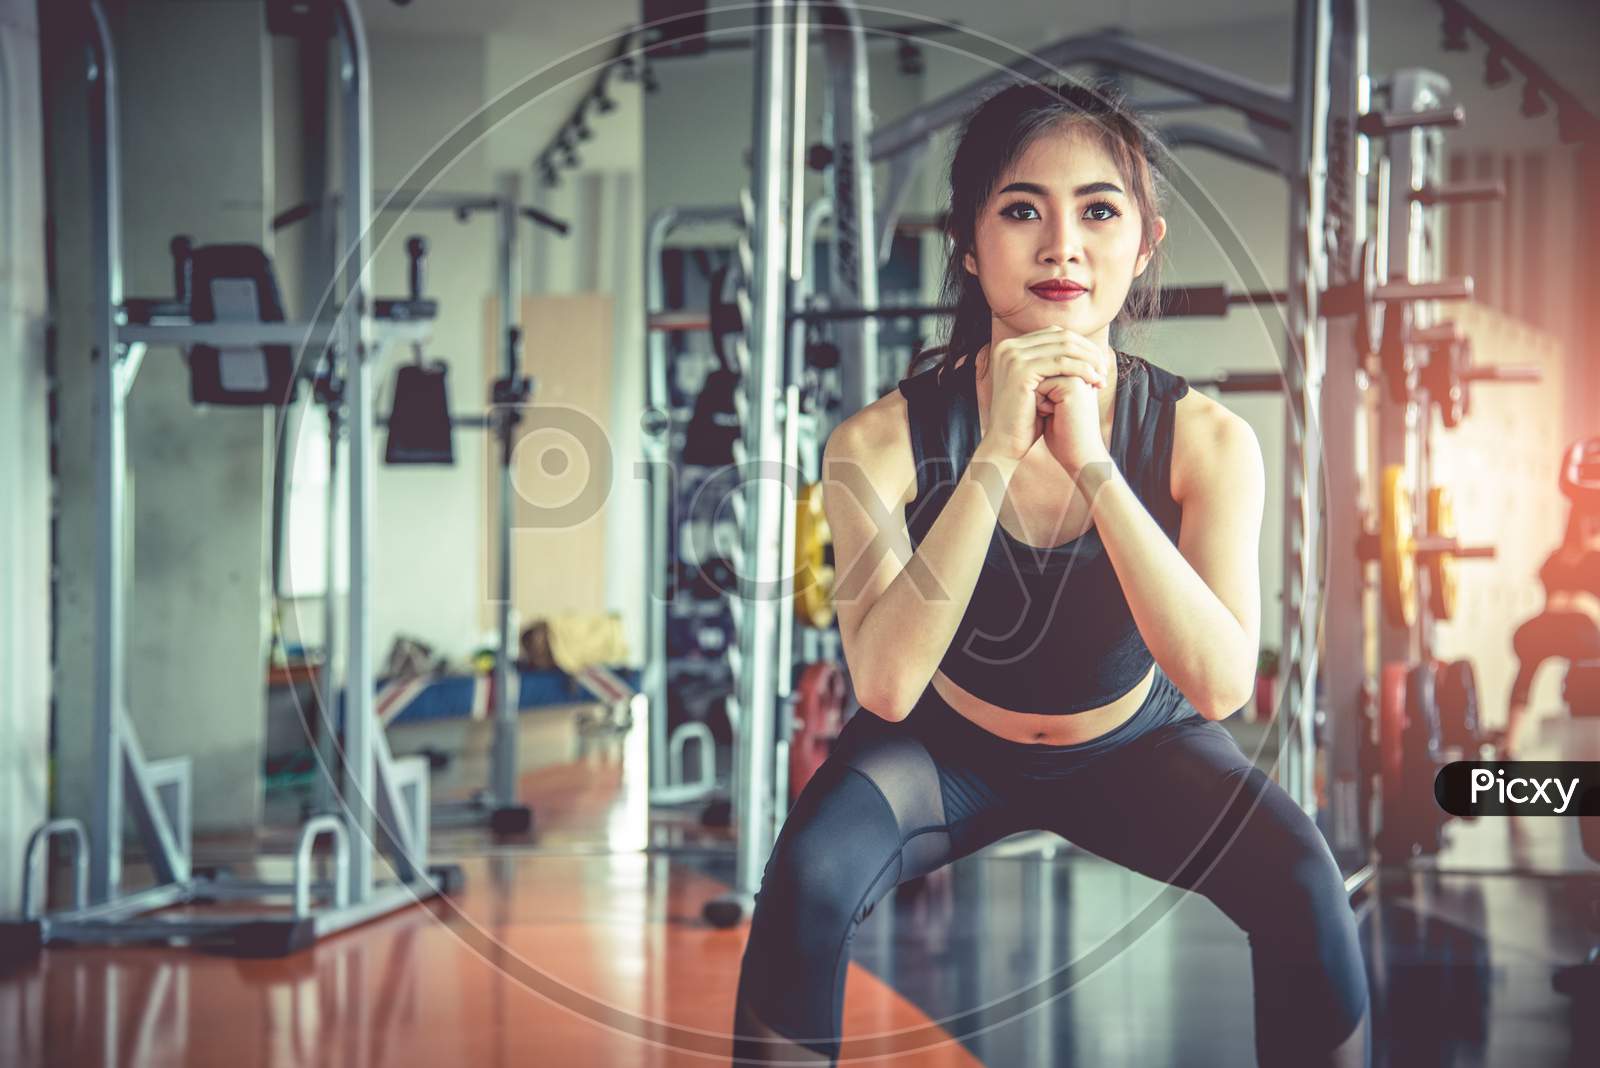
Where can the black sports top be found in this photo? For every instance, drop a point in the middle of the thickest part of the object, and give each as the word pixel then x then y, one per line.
pixel 1047 630
pixel 1581 574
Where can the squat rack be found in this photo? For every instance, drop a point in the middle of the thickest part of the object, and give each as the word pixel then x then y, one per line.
pixel 1316 134
pixel 157 792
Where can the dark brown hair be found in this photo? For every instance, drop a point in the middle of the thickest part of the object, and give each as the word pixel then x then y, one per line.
pixel 993 137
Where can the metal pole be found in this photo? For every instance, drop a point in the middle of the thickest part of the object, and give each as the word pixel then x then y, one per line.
pixel 503 772
pixel 327 794
pixel 356 164
pixel 110 466
pixel 1303 376
pixel 1413 164
pixel 756 686
pixel 656 439
pixel 812 431
pixel 1344 613
pixel 854 274
pixel 789 447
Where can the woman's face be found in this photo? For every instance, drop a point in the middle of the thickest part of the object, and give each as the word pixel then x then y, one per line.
pixel 1063 211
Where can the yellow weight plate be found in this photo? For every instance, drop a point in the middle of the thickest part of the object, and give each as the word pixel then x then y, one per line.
pixel 1397 540
pixel 813 559
pixel 1442 584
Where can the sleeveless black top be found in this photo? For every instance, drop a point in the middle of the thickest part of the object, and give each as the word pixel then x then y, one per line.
pixel 1047 630
pixel 1580 575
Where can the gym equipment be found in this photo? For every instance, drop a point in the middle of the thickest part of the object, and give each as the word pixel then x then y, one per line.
pixel 421 431
pixel 1185 302
pixel 1241 382
pixel 386 800
pixel 419 416
pixel 1456 688
pixel 1287 134
pixel 813 560
pixel 765 251
pixel 1413 823
pixel 1446 375
pixel 233 283
pixel 714 428
pixel 1391 729
pixel 668 634
pixel 1428 715
pixel 1583 980
pixel 818 716
pixel 1398 558
pixel 1443 588
pixel 1580 474
pixel 1399 548
pixel 1357 306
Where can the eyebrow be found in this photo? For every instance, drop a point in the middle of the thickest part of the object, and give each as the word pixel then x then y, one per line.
pixel 1081 191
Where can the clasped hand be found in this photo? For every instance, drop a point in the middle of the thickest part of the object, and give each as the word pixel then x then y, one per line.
pixel 1047 384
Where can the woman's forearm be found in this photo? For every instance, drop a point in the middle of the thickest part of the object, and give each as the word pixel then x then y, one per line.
pixel 904 635
pixel 1199 643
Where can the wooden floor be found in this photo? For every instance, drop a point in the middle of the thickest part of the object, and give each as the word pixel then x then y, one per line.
pixel 558 952
pixel 555 953
pixel 543 960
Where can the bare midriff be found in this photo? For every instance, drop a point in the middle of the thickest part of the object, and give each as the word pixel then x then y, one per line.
pixel 1032 728
pixel 1580 601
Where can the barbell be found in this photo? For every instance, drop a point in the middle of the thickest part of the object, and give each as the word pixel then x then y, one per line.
pixel 1400 550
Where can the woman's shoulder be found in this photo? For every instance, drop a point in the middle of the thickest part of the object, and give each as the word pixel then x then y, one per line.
pixel 876 438
pixel 1209 439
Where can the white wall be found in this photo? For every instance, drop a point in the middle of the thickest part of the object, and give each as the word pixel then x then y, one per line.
pixel 196 633
pixel 24 452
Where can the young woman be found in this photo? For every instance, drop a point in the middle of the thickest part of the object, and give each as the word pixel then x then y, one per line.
pixel 1070 605
pixel 1569 626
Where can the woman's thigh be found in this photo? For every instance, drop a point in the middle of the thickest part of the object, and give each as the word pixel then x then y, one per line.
pixel 944 803
pixel 1184 805
pixel 1568 635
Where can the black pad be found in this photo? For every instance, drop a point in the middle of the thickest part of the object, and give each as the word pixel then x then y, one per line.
pixel 1581 689
pixel 419 419
pixel 234 283
pixel 714 426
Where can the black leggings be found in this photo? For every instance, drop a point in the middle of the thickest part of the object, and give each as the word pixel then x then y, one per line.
pixel 1164 794
pixel 1564 635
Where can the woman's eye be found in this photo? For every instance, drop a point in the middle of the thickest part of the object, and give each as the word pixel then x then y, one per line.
pixel 1100 211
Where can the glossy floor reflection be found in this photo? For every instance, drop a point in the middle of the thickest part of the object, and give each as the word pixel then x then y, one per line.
pixel 555 960
pixel 559 952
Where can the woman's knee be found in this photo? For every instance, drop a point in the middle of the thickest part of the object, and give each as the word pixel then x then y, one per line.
pixel 823 867
pixel 1311 899
pixel 1284 881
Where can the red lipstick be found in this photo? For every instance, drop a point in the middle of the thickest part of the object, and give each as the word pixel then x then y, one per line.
pixel 1058 289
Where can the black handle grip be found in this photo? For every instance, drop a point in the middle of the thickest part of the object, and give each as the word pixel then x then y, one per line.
pixel 182 250
pixel 417 250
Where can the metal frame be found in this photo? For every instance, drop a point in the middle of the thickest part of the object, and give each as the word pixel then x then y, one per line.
pixel 667 786
pixel 156 792
pixel 1292 127
pixel 780 97
pixel 1316 134
pixel 498 804
pixel 1289 127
